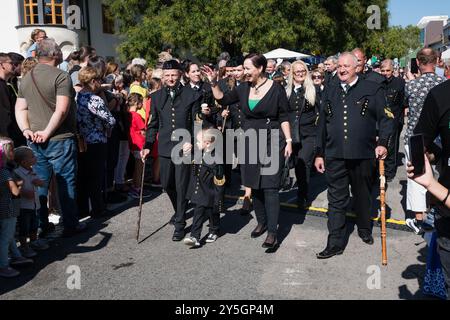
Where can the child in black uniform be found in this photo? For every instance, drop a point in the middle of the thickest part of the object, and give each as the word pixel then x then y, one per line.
pixel 205 187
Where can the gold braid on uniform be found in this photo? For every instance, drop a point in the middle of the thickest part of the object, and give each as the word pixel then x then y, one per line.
pixel 219 182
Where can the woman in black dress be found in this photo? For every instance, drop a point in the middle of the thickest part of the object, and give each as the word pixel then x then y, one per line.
pixel 265 107
pixel 304 103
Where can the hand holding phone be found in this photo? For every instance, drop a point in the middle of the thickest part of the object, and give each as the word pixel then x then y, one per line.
pixel 416 154
pixel 414 66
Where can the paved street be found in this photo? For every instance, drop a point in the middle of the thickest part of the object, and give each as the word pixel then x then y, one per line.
pixel 114 266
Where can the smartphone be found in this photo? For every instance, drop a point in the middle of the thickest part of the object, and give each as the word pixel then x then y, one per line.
pixel 417 153
pixel 414 66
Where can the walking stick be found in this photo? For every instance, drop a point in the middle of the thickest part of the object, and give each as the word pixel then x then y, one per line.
pixel 225 120
pixel 383 213
pixel 142 192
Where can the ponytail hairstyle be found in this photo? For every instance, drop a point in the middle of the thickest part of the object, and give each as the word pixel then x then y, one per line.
pixel 6 151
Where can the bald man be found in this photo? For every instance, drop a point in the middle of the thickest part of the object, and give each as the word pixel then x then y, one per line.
pixel 348 148
pixel 361 69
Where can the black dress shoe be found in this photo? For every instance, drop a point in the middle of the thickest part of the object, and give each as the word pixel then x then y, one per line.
pixel 270 242
pixel 367 239
pixel 177 236
pixel 330 252
pixel 259 231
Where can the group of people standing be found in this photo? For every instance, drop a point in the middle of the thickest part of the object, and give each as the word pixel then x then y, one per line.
pixel 337 122
pixel 343 122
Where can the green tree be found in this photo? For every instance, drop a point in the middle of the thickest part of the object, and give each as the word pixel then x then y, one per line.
pixel 394 42
pixel 207 27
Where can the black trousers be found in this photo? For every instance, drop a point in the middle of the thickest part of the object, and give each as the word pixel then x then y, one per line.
pixel 175 181
pixel 91 178
pixel 267 208
pixel 200 215
pixel 113 157
pixel 342 174
pixel 391 161
pixel 303 164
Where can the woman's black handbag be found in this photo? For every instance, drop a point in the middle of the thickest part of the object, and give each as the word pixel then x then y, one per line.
pixel 285 182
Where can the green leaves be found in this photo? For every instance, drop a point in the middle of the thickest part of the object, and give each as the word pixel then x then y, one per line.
pixel 204 28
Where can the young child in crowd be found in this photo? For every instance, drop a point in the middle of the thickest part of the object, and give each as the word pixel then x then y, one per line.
pixel 9 212
pixel 205 187
pixel 29 202
pixel 136 137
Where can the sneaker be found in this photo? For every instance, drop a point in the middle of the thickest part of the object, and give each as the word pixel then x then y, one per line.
pixel 39 245
pixel 8 272
pixel 20 261
pixel 27 252
pixel 211 238
pixel 414 226
pixel 191 242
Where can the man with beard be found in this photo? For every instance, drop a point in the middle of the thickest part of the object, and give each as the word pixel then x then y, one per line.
pixel 10 69
pixel 173 107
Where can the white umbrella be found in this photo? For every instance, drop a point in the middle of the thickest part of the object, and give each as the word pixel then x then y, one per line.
pixel 446 54
pixel 285 54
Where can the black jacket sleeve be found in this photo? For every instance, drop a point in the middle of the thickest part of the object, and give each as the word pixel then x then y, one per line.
pixel 152 128
pixel 385 118
pixel 229 98
pixel 428 124
pixel 321 126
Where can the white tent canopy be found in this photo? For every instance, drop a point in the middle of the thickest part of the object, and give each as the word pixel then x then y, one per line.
pixel 446 54
pixel 285 54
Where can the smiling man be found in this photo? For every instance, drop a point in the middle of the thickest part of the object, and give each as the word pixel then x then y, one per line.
pixel 348 149
pixel 173 107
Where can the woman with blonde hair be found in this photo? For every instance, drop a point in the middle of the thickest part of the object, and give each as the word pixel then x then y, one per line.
pixel 303 113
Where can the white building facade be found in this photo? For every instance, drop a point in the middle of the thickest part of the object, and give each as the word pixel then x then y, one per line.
pixel 72 23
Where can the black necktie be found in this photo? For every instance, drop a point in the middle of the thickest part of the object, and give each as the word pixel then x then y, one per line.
pixel 346 88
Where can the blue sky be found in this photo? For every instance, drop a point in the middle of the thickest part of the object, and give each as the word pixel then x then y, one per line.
pixel 405 12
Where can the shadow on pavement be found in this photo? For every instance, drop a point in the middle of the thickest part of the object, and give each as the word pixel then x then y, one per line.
pixel 60 247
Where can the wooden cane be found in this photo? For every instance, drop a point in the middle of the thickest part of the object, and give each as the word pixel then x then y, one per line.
pixel 140 202
pixel 225 120
pixel 384 260
pixel 141 195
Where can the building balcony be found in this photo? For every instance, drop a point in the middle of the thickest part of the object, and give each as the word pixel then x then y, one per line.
pixel 67 39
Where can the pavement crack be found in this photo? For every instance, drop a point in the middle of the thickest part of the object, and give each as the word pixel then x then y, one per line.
pixel 123 265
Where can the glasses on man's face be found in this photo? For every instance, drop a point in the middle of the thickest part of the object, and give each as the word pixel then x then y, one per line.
pixel 300 72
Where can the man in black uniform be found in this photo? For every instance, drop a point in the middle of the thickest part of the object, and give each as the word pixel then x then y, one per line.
pixel 173 107
pixel 395 95
pixel 331 70
pixel 361 69
pixel 347 148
